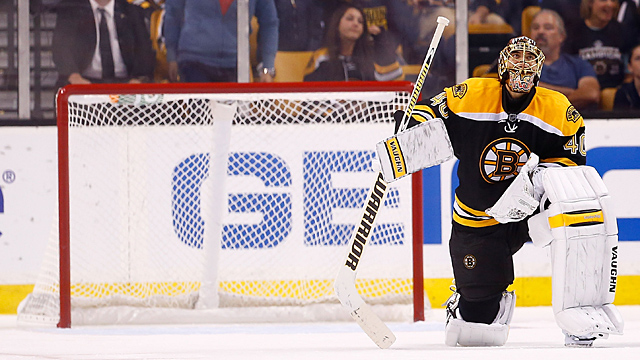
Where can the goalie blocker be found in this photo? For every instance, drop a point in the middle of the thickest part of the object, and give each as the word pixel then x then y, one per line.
pixel 414 149
pixel 581 229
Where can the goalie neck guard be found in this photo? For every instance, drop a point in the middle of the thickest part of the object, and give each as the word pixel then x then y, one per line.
pixel 520 64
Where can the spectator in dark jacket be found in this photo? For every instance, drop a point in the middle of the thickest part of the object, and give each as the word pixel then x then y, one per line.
pixel 301 25
pixel 627 95
pixel 78 47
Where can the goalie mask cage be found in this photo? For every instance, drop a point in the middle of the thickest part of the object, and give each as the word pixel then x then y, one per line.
pixel 189 203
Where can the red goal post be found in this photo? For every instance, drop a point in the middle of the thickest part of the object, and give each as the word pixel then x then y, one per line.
pixel 139 201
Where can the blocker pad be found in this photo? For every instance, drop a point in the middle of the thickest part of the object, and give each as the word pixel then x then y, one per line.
pixel 414 149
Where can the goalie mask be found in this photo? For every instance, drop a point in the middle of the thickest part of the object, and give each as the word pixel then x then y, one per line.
pixel 520 64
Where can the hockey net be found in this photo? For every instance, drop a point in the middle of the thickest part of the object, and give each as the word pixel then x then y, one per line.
pixel 196 203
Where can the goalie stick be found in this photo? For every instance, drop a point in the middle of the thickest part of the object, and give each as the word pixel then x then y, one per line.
pixel 345 283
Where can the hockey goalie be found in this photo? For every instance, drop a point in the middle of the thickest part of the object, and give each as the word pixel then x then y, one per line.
pixel 522 178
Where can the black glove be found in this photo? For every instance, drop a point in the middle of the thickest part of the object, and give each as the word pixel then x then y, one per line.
pixel 397 116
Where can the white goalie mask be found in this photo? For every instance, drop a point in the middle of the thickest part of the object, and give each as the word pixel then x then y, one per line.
pixel 520 64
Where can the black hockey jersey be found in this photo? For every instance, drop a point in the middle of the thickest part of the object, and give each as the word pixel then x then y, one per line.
pixel 492 145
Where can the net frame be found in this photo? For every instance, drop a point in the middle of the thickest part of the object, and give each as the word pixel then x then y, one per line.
pixel 229 88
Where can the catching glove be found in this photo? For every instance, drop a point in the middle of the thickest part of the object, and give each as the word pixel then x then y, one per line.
pixel 519 200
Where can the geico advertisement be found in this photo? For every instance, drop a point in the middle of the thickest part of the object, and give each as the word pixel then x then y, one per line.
pixel 294 198
pixel 267 210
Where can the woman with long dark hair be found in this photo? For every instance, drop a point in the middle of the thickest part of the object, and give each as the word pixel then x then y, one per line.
pixel 348 52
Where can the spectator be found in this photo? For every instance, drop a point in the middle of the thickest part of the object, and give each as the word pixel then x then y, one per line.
pixel 301 25
pixel 154 16
pixel 627 95
pixel 390 18
pixel 148 6
pixel 426 13
pixel 568 74
pixel 601 41
pixel 80 55
pixel 201 39
pixel 156 28
pixel 629 17
pixel 348 52
pixel 497 12
pixel 567 9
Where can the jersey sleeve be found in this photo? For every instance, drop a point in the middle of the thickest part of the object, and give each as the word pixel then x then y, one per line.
pixel 568 147
pixel 566 151
pixel 558 136
pixel 435 107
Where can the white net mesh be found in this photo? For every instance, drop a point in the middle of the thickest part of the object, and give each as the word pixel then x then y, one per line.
pixel 143 214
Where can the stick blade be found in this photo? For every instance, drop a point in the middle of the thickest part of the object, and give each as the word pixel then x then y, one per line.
pixel 373 326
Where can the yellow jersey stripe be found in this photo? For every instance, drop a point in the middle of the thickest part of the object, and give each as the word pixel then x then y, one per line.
pixel 424 111
pixel 474 223
pixel 559 161
pixel 470 210
pixel 419 117
pixel 481 218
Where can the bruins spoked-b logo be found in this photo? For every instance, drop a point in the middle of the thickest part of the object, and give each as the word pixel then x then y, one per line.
pixel 469 261
pixel 502 159
pixel 459 90
pixel 572 114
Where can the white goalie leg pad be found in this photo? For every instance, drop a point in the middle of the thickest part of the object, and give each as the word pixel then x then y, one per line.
pixel 460 332
pixel 582 230
pixel 414 149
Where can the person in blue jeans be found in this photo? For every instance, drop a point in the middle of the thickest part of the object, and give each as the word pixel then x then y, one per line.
pixel 201 39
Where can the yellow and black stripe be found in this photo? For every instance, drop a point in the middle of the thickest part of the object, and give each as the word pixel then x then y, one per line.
pixel 422 113
pixel 464 215
pixel 558 161
pixel 577 218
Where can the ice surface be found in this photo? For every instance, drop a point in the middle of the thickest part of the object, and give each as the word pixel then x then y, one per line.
pixel 534 335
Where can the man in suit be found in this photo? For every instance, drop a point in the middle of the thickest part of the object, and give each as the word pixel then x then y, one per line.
pixel 82 57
